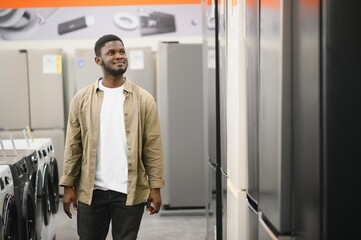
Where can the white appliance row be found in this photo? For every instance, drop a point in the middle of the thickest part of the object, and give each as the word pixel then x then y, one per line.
pixel 29 193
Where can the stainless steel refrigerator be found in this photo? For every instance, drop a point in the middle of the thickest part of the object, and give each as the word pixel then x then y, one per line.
pixel 275 197
pixel 181 112
pixel 309 120
pixel 31 89
pixel 216 76
pixel 252 40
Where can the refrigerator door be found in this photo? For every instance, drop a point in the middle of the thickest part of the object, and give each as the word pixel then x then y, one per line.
pixel 326 119
pixel 46 88
pixel 222 91
pixel 212 152
pixel 222 84
pixel 274 116
pixel 211 202
pixel 266 232
pixel 252 218
pixel 252 76
pixel 238 224
pixel 14 95
pixel 341 120
pixel 307 109
pixel 224 204
pixel 181 117
pixel 210 100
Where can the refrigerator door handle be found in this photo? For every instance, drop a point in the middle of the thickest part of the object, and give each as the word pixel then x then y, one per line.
pixel 266 228
pixel 251 207
pixel 224 173
pixel 212 164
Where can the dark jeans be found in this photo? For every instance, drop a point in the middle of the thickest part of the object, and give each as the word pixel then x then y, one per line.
pixel 106 207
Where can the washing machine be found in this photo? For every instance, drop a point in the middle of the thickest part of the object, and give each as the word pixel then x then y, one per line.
pixel 19 163
pixel 53 168
pixel 35 178
pixel 46 194
pixel 8 215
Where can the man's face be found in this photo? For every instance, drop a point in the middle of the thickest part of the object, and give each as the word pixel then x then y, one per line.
pixel 113 58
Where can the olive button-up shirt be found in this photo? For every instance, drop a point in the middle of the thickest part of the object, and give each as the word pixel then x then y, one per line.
pixel 144 143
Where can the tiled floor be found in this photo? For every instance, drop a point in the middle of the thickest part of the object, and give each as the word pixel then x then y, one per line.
pixel 166 226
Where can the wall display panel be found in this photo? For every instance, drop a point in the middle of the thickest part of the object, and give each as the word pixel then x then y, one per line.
pixel 86 3
pixel 92 22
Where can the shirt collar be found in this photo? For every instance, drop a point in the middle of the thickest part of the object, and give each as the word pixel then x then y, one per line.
pixel 127 85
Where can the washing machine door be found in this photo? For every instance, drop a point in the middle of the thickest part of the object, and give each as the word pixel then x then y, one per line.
pixel 36 180
pixel 10 217
pixel 54 200
pixel 28 212
pixel 46 192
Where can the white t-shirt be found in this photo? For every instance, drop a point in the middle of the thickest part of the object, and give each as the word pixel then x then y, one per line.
pixel 112 164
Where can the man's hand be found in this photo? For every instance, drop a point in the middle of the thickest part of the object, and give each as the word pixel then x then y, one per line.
pixel 68 198
pixel 154 201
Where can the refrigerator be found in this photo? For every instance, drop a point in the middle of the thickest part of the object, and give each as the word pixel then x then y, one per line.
pixel 32 96
pixel 209 81
pixel 252 50
pixel 215 16
pixel 275 118
pixel 222 119
pixel 309 122
pixel 242 121
pixel 181 112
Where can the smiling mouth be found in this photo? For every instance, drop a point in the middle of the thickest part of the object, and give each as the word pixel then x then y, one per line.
pixel 119 65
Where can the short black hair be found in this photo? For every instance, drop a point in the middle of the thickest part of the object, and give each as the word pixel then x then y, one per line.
pixel 103 40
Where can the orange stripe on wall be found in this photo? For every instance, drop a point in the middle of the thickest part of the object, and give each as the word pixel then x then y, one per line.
pixel 88 3
pixel 211 2
pixel 276 3
pixel 270 3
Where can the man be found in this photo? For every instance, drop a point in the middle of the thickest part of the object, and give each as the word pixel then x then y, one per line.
pixel 113 151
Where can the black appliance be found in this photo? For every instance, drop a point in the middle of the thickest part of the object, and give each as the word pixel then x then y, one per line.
pixel 35 180
pixel 309 120
pixel 7 204
pixel 54 174
pixel 21 167
pixel 156 23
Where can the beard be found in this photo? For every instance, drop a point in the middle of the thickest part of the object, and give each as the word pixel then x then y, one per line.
pixel 114 72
